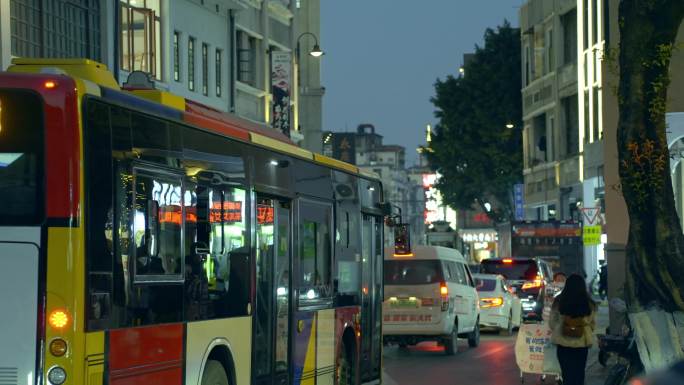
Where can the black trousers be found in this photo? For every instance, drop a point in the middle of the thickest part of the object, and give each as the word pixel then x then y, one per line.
pixel 573 363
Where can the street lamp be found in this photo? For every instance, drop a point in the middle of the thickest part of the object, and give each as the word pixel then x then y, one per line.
pixel 316 51
pixel 509 125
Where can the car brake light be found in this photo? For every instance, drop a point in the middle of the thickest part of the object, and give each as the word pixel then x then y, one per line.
pixel 507 260
pixel 532 285
pixel 491 302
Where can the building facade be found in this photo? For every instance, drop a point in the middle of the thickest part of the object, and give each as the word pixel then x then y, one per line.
pixel 552 154
pixel 236 56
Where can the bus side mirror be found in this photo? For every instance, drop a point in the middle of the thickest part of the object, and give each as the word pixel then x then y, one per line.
pixel 402 239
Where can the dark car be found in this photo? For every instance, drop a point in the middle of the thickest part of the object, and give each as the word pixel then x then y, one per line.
pixel 528 276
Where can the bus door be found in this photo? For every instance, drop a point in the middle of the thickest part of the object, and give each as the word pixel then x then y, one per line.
pixel 371 317
pixel 271 363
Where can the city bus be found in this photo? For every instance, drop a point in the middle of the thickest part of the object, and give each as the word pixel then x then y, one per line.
pixel 148 239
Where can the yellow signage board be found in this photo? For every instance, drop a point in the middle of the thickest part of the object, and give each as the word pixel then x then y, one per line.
pixel 591 235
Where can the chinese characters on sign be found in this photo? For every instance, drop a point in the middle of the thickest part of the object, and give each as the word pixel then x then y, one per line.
pixel 407 318
pixel 591 232
pixel 264 214
pixel 529 347
pixel 591 235
pixel 281 69
pixel 344 148
pixel 519 201
pixel 232 212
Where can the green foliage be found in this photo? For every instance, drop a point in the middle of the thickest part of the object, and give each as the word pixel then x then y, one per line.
pixel 479 158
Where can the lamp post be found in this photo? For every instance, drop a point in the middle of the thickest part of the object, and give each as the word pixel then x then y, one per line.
pixel 316 51
pixel 300 85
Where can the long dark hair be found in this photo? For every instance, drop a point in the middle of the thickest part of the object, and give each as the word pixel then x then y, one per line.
pixel 574 300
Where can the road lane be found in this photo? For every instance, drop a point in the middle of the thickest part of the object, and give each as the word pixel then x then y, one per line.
pixel 492 363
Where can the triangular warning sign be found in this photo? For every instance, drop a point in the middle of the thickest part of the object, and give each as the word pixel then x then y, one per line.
pixel 590 215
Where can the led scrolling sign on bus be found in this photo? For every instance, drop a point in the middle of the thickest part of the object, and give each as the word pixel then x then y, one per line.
pixel 232 212
pixel 264 214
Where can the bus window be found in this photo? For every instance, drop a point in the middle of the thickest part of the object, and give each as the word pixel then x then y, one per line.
pixel 315 243
pixel 157 220
pixel 217 277
pixel 21 158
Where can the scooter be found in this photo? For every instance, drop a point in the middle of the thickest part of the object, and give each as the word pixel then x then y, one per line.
pixel 628 363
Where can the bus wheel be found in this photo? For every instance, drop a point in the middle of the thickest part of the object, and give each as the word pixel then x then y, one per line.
pixel 344 371
pixel 214 374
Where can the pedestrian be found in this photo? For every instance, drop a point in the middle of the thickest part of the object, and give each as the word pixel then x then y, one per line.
pixel 572 323
pixel 603 281
pixel 559 277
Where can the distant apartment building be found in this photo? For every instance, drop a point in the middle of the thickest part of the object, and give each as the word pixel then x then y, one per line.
pixel 552 151
pixel 219 53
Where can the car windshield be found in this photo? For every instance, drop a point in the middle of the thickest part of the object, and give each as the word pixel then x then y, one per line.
pixel 516 270
pixel 413 272
pixel 484 284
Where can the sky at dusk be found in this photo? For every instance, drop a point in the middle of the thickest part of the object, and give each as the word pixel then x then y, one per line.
pixel 382 58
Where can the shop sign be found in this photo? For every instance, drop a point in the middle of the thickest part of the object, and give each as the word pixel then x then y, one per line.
pixel 281 69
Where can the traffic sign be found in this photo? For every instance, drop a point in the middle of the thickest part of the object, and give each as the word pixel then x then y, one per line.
pixel 591 216
pixel 591 235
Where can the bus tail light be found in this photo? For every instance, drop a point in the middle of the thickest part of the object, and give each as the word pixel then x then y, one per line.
pixel 58 319
pixel 491 302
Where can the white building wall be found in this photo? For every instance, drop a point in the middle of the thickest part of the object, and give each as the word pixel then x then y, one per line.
pixel 206 26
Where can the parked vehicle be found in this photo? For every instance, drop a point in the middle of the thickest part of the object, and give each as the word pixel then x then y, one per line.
pixel 429 296
pixel 500 309
pixel 529 277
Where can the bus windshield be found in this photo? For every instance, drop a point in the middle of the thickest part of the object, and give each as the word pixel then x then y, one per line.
pixel 21 158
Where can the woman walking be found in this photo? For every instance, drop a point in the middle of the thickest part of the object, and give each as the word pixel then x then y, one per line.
pixel 572 323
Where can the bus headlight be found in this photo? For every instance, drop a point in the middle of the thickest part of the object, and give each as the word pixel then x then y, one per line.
pixel 57 375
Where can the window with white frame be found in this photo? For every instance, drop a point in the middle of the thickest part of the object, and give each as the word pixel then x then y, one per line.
pixel 191 63
pixel 141 36
pixel 176 56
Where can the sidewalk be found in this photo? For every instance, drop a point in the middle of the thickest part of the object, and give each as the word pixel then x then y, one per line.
pixel 596 374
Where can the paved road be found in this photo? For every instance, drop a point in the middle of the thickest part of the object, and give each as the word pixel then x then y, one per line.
pixel 492 363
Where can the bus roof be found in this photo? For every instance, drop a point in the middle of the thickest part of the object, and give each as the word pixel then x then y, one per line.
pixel 426 252
pixel 100 82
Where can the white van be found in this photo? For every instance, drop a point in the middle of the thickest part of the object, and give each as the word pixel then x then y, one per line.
pixel 429 296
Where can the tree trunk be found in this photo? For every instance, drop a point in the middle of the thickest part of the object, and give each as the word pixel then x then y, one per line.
pixel 655 247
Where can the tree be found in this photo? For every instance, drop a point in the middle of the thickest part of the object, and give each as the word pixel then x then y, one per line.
pixel 477 144
pixel 655 247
